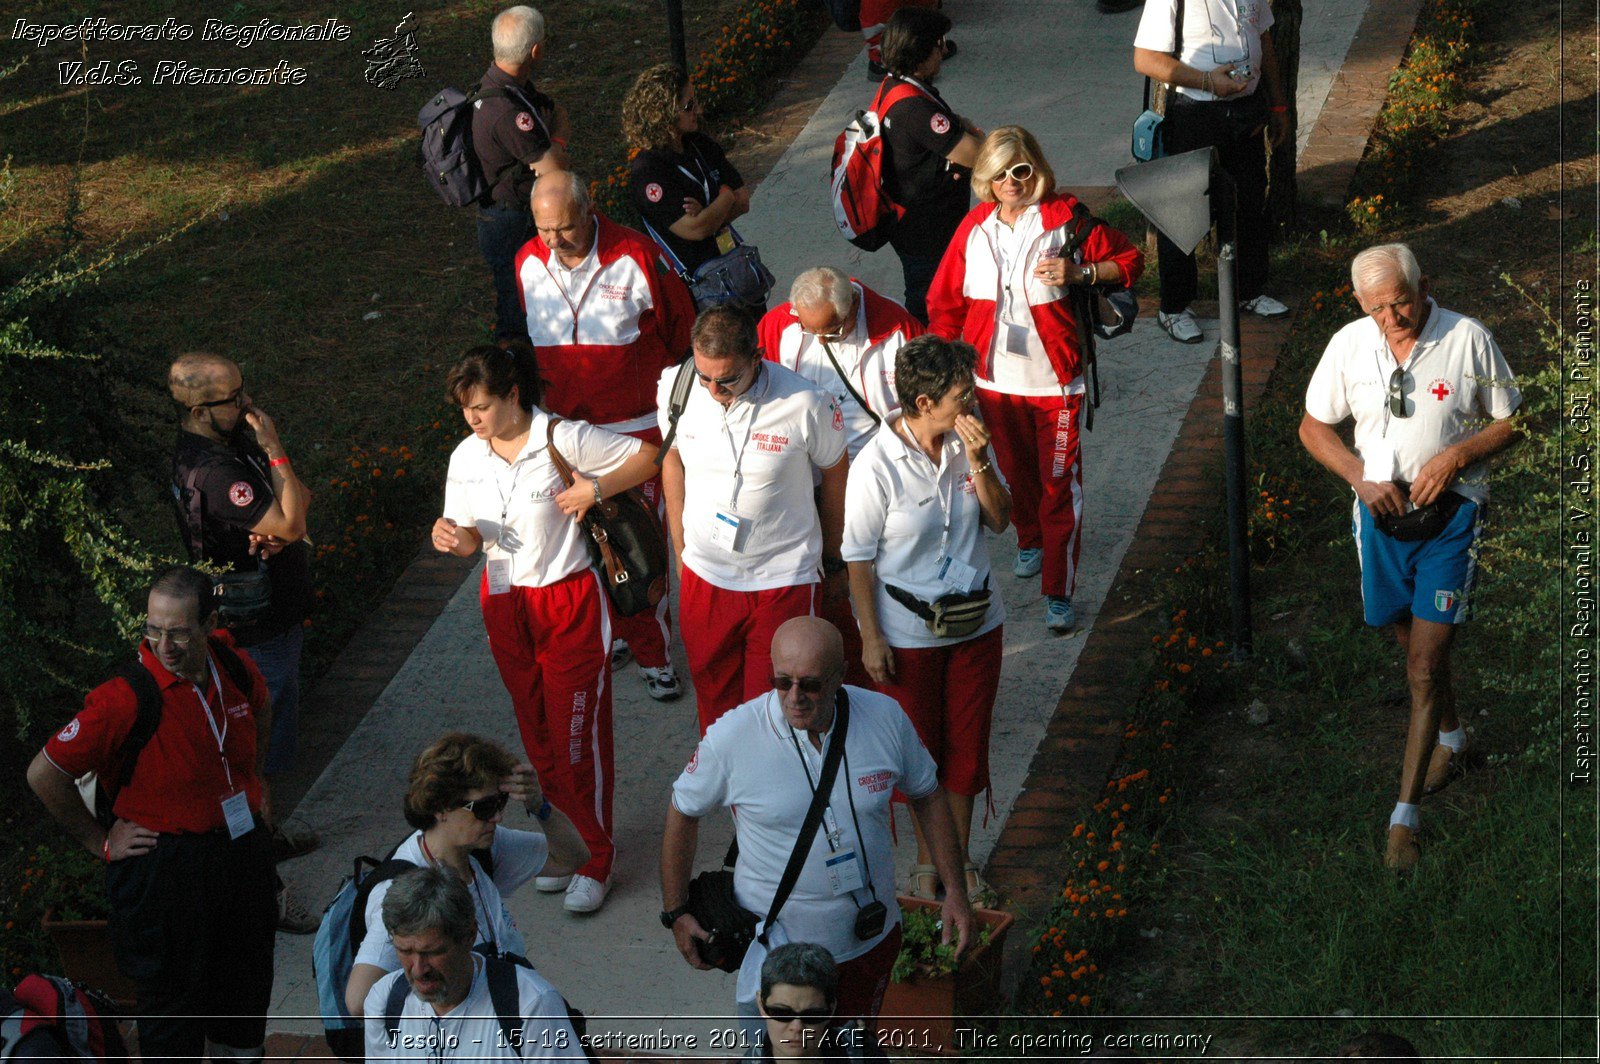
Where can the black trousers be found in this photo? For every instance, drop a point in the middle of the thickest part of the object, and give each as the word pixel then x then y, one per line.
pixel 1235 130
pixel 193 923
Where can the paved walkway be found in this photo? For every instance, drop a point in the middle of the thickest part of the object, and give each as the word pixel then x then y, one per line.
pixel 618 965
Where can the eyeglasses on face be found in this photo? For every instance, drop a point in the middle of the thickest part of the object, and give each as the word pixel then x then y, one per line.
pixel 810 685
pixel 1397 392
pixel 487 807
pixel 233 398
pixel 179 637
pixel 1021 173
pixel 808 1017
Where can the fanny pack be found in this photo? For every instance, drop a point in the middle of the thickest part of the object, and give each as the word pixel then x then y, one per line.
pixel 1423 522
pixel 243 598
pixel 952 616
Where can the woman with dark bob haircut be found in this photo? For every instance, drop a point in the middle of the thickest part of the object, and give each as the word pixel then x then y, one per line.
pixel 457 797
pixel 543 603
pixel 921 493
pixel 799 994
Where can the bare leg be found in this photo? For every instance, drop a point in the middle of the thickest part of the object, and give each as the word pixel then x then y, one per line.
pixel 1427 646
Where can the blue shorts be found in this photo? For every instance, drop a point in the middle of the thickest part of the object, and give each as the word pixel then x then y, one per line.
pixel 1431 579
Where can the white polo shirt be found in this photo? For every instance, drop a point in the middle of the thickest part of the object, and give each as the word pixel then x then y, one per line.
pixel 513 505
pixel 749 761
pixel 1456 381
pixel 1214 32
pixel 906 516
pixel 518 857
pixel 773 436
pixel 471 1030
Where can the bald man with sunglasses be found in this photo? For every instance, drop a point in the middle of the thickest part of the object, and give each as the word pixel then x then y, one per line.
pixel 1431 397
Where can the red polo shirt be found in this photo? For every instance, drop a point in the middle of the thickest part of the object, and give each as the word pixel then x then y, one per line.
pixel 180 781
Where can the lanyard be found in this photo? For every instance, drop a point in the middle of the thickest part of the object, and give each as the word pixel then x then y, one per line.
pixel 946 507
pixel 829 823
pixel 582 295
pixel 700 179
pixel 506 497
pixel 1007 238
pixel 738 451
pixel 205 709
pixel 472 885
pixel 1403 367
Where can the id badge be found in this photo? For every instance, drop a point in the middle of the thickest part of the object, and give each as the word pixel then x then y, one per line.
pixel 499 576
pixel 236 812
pixel 728 530
pixel 844 872
pixel 957 575
pixel 725 242
pixel 1378 462
pixel 1016 340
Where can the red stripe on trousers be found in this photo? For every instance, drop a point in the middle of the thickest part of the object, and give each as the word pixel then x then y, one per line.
pixel 1035 439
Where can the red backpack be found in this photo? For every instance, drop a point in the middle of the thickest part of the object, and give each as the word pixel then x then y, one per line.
pixel 862 209
pixel 47 1018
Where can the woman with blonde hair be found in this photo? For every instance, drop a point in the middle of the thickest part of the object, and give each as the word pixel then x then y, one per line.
pixel 456 799
pixel 680 182
pixel 1004 286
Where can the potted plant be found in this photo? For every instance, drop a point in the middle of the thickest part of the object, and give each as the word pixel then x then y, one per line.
pixel 68 888
pixel 927 988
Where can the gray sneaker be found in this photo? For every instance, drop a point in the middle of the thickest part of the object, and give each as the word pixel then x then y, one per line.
pixel 292 916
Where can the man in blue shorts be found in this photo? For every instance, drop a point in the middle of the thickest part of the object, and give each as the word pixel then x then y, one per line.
pixel 1431 397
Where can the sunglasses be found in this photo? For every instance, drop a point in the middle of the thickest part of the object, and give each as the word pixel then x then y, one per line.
pixel 233 398
pixel 809 1017
pixel 1397 392
pixel 810 685
pixel 1019 172
pixel 690 104
pixel 723 382
pixel 488 807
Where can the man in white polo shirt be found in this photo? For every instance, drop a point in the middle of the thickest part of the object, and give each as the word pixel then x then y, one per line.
pixel 447 1002
pixel 1431 396
pixel 607 316
pixel 750 535
pixel 763 759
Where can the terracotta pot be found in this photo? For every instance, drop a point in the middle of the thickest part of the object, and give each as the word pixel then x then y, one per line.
pixel 85 950
pixel 918 1016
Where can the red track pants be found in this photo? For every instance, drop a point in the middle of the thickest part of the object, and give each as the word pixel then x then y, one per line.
pixel 948 692
pixel 648 633
pixel 553 647
pixel 1035 439
pixel 727 637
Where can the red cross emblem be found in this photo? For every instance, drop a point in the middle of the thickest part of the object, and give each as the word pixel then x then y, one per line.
pixel 1439 389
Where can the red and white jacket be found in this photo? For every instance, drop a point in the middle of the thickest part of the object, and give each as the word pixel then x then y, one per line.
pixel 967 289
pixel 602 353
pixel 880 330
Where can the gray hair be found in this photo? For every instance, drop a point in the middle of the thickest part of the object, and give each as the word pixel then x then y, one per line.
pixel 576 190
pixel 801 964
pixel 1385 262
pixel 428 897
pixel 823 284
pixel 515 31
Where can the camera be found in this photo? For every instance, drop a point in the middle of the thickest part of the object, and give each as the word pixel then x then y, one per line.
pixel 1241 72
pixel 870 919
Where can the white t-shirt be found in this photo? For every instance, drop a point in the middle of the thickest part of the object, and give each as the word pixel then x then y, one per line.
pixel 1456 381
pixel 897 508
pixel 775 435
pixel 471 1030
pixel 1017 354
pixel 749 761
pixel 513 505
pixel 1214 32
pixel 518 857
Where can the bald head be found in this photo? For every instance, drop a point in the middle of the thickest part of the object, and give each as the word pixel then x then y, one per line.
pixel 561 216
pixel 561 190
pixel 809 646
pixel 200 377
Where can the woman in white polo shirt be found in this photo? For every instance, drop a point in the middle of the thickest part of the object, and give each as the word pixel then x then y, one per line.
pixel 919 495
pixel 543 604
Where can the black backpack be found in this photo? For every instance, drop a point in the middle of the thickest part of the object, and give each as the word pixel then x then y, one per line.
pixel 446 155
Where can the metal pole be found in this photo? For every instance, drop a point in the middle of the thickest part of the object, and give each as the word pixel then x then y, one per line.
pixel 1224 208
pixel 680 51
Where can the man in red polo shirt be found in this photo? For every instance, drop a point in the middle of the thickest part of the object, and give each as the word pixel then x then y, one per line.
pixel 189 869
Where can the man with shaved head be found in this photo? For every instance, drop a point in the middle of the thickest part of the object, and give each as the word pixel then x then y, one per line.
pixel 241 507
pixel 764 758
pixel 607 316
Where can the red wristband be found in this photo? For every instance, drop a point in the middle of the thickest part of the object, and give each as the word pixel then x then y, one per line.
pixel 559 140
pixel 276 462
pixel 1279 109
pixel 105 847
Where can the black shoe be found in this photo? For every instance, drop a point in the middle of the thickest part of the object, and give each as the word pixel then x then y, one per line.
pixel 290 842
pixel 950 48
pixel 876 71
pixel 1116 7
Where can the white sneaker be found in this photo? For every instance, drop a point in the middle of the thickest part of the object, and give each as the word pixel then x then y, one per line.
pixel 1264 307
pixel 551 884
pixel 586 894
pixel 662 683
pixel 621 654
pixel 1181 326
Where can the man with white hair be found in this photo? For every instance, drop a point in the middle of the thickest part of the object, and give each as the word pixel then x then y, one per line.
pixel 608 316
pixel 1431 396
pixel 518 134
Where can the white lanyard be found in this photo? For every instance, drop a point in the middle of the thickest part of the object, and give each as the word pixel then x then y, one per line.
pixel 946 508
pixel 701 179
pixel 1007 239
pixel 205 710
pixel 738 452
pixel 562 288
pixel 506 497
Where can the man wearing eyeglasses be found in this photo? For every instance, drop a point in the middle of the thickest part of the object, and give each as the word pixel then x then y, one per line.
pixel 751 537
pixel 763 759
pixel 188 853
pixel 607 316
pixel 1431 397
pixel 242 506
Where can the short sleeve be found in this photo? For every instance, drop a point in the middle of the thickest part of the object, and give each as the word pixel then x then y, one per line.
pixel 1498 394
pixel 826 440
pixel 234 493
pixel 653 194
pixel 702 786
pixel 372 1023
pixel 1326 397
pixel 518 857
pixel 376 949
pixel 1156 25
pixel 92 740
pixel 546 1011
pixel 866 508
pixel 928 125
pixel 457 493
pixel 593 451
pixel 919 776
pixel 524 131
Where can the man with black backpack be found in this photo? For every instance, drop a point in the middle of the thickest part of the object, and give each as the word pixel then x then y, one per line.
pixel 518 134
pixel 182 823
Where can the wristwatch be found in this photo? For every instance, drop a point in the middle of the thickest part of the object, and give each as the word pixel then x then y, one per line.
pixel 833 565
pixel 670 916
